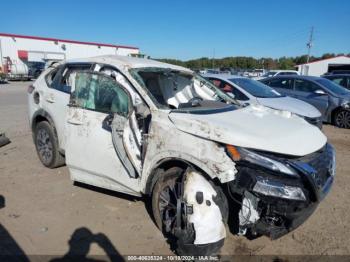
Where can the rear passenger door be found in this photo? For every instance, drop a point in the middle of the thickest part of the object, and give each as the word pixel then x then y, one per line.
pixel 56 98
pixel 305 90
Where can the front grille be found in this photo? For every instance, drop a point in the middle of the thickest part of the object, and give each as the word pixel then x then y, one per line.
pixel 321 161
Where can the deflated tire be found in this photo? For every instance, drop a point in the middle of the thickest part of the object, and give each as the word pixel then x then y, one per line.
pixel 191 211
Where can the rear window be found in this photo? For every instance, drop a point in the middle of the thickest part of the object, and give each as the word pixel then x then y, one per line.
pixel 281 83
pixel 287 73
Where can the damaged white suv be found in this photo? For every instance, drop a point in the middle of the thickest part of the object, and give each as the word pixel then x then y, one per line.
pixel 142 127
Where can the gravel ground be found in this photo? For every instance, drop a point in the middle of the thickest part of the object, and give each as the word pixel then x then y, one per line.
pixel 46 214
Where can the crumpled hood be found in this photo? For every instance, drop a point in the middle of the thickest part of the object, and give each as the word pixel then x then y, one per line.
pixel 255 127
pixel 290 104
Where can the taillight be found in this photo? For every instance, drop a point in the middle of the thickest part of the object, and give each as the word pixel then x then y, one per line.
pixel 30 89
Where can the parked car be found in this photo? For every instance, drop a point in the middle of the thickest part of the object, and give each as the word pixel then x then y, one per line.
pixel 273 73
pixel 340 79
pixel 143 127
pixel 338 72
pixel 332 100
pixel 248 91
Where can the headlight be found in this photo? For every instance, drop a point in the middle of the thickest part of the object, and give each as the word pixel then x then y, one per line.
pixel 238 153
pixel 273 188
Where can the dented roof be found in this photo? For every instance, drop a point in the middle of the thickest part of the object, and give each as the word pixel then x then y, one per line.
pixel 132 62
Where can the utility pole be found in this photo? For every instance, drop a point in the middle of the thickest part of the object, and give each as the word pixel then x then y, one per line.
pixel 309 44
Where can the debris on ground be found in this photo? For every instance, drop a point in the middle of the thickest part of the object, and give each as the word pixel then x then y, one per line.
pixel 4 140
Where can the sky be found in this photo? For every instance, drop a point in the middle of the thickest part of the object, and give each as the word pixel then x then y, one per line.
pixel 189 29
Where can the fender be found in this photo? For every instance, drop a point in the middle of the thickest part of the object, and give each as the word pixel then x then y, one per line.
pixel 225 173
pixel 42 114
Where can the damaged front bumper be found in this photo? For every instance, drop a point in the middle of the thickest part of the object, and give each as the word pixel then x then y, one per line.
pixel 274 204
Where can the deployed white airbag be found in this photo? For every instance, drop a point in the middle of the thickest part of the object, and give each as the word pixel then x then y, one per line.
pixel 206 216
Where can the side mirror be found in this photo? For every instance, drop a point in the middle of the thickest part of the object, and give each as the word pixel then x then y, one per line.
pixel 320 92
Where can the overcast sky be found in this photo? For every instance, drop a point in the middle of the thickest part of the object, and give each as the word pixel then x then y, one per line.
pixel 189 29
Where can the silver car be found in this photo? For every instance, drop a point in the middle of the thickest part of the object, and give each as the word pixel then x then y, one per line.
pixel 331 99
pixel 248 91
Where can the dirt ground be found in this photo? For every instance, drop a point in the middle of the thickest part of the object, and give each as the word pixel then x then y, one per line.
pixel 46 214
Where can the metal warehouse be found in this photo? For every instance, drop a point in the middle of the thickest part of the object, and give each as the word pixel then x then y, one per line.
pixel 320 67
pixel 23 56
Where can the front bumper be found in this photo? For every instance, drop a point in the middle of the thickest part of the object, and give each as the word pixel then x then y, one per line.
pixel 274 216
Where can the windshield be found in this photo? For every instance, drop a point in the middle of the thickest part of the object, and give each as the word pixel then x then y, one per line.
pixel 333 87
pixel 269 74
pixel 256 88
pixel 172 89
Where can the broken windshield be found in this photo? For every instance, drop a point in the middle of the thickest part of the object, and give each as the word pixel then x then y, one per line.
pixel 173 89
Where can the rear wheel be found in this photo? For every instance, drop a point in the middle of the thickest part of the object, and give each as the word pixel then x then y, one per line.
pixel 46 144
pixel 342 119
pixel 170 215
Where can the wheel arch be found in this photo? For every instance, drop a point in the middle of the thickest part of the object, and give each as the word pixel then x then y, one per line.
pixel 170 162
pixel 42 115
pixel 333 114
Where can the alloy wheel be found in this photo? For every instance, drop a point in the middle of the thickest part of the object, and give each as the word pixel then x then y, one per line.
pixel 44 145
pixel 343 119
pixel 169 200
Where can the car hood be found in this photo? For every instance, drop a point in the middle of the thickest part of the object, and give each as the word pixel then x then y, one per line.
pixel 290 104
pixel 255 127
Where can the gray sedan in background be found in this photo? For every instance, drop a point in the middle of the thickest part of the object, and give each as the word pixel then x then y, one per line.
pixel 331 99
pixel 248 91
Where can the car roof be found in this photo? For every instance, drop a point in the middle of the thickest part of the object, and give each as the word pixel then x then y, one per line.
pixel 277 71
pixel 294 77
pixel 132 62
pixel 336 75
pixel 222 76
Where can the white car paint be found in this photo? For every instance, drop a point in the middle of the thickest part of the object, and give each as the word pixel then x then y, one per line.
pixel 273 73
pixel 291 104
pixel 93 139
pixel 274 131
pixel 287 103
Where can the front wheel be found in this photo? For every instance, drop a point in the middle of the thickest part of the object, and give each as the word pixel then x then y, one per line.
pixel 342 119
pixel 171 212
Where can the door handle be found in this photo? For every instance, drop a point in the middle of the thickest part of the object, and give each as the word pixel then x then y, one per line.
pixel 50 98
pixel 74 121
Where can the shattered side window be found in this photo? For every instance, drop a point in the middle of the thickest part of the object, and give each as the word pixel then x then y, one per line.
pixel 171 89
pixel 100 93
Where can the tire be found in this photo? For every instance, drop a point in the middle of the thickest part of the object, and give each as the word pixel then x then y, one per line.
pixel 342 119
pixel 46 144
pixel 181 241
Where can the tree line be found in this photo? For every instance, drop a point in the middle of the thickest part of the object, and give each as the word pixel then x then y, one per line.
pixel 244 62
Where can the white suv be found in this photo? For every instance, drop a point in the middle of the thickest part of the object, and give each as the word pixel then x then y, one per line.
pixel 142 127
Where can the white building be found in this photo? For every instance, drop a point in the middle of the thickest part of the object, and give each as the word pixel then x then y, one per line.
pixel 320 67
pixel 19 53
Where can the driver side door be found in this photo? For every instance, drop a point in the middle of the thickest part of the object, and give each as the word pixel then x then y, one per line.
pixel 306 90
pixel 96 128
